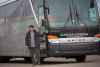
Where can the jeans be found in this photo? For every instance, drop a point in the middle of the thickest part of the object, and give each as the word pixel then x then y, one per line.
pixel 35 55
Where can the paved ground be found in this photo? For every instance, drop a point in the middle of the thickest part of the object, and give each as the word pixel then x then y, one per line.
pixel 92 61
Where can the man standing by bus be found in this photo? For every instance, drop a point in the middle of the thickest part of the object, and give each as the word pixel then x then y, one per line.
pixel 32 42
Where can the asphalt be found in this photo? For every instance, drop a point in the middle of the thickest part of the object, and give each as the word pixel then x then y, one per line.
pixel 91 61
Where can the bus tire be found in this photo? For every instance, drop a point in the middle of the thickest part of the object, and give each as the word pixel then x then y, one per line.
pixel 81 58
pixel 4 59
pixel 42 60
pixel 28 59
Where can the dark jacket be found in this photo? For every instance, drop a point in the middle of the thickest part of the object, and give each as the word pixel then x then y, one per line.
pixel 28 39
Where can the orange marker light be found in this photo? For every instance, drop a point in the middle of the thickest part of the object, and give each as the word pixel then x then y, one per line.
pixel 52 37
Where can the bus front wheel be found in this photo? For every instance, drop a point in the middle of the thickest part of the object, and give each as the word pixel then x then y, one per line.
pixel 81 58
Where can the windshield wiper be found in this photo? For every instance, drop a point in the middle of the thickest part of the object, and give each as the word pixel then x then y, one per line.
pixel 76 14
pixel 70 16
pixel 73 14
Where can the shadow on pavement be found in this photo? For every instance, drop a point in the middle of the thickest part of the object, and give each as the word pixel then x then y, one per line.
pixel 56 62
pixel 42 63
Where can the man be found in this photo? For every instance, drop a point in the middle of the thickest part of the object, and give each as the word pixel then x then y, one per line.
pixel 32 42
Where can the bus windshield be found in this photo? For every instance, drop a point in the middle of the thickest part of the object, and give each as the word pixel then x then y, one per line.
pixel 72 13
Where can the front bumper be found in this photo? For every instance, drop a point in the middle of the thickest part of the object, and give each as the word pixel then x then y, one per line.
pixel 74 49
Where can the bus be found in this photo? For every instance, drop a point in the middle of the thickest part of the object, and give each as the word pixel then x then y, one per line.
pixel 68 28
pixel 71 28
